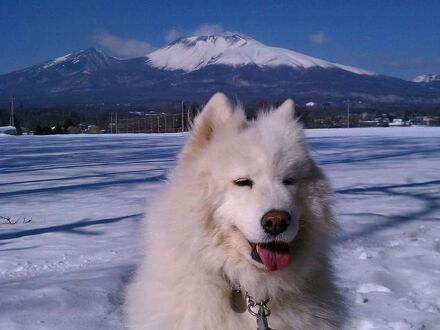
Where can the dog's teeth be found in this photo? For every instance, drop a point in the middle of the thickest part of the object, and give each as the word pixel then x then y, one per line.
pixel 255 255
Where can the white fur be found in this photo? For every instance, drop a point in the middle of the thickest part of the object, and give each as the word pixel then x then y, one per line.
pixel 199 224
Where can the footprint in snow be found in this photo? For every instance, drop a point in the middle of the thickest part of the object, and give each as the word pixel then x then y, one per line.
pixel 401 325
pixel 372 287
pixel 437 246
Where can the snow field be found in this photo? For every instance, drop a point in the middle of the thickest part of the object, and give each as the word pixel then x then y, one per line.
pixel 67 268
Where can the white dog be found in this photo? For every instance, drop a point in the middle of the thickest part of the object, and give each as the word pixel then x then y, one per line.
pixel 244 217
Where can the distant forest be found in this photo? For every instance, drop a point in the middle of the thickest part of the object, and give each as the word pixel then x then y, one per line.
pixel 59 119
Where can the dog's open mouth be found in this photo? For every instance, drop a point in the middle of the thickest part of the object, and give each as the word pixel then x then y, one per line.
pixel 273 255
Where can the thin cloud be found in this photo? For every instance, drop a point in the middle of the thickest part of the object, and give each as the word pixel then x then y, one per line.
pixel 424 61
pixel 204 29
pixel 173 34
pixel 318 38
pixel 409 63
pixel 123 47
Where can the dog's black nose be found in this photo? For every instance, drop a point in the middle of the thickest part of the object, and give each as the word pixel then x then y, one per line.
pixel 275 222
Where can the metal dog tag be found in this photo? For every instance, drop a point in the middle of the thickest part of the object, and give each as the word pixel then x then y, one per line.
pixel 238 304
pixel 262 320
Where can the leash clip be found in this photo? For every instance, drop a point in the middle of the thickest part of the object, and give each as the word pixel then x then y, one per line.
pixel 261 314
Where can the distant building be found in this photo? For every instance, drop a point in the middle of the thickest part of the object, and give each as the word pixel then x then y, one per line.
pixel 426 121
pixel 370 123
pixel 137 113
pixel 83 126
pixel 9 130
pixel 397 122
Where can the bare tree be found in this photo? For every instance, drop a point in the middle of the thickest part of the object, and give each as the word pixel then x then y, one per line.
pixel 9 221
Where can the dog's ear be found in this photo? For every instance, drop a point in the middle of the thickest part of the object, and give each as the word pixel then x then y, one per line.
pixel 287 109
pixel 215 114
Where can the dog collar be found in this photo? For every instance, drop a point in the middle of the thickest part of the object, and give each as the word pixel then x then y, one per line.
pixel 259 309
pixel 262 312
pixel 240 302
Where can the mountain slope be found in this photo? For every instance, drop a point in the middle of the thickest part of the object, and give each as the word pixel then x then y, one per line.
pixel 427 78
pixel 250 82
pixel 87 76
pixel 62 74
pixel 193 53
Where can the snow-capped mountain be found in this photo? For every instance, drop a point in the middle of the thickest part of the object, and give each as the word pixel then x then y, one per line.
pixel 427 78
pixel 233 49
pixel 193 68
pixel 63 76
pixel 64 73
pixel 83 61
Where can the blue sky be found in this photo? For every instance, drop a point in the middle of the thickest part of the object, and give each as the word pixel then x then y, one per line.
pixel 399 38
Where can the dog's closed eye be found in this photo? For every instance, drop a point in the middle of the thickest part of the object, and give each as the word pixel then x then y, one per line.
pixel 244 182
pixel 289 181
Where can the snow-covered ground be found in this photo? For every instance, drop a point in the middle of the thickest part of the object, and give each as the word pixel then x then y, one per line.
pixel 66 268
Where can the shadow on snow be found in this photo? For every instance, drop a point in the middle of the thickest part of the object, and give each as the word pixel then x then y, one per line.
pixel 71 228
pixel 430 204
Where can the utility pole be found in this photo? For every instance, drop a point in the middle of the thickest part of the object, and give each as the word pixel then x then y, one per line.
pixel 117 130
pixel 188 120
pixel 348 114
pixel 165 121
pixel 112 122
pixel 183 120
pixel 11 118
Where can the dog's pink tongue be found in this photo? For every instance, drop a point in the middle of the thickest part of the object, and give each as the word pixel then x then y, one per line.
pixel 274 259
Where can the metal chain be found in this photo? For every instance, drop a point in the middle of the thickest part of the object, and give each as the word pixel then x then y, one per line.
pixel 260 304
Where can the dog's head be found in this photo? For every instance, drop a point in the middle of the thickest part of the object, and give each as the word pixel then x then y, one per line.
pixel 257 179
